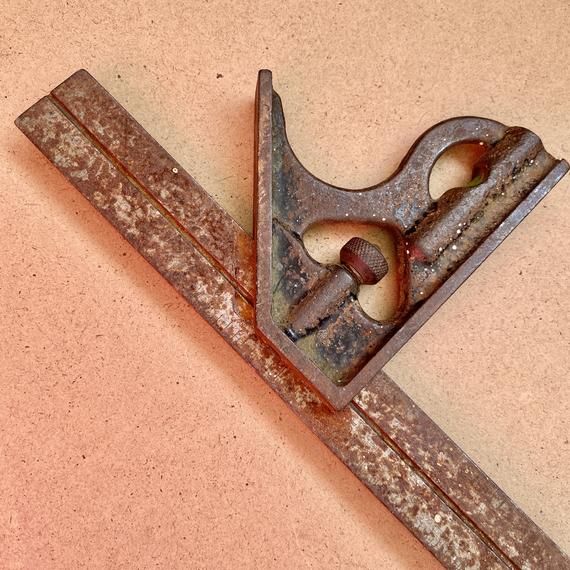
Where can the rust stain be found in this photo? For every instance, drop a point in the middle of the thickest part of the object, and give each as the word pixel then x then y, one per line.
pixel 336 344
pixel 394 449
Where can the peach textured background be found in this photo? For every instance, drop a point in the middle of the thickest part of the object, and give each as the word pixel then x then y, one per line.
pixel 131 434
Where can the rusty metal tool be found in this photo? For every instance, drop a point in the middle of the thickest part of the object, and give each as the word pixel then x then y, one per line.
pixel 290 315
pixel 438 242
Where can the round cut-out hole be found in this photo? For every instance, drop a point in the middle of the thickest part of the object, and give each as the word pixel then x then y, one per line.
pixel 454 168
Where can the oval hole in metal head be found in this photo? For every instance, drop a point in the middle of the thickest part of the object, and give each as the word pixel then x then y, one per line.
pixel 454 168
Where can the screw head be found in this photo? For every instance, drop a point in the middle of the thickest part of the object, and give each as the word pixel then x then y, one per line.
pixel 364 260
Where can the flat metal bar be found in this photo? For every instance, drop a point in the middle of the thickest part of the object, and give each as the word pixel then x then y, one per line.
pixel 140 157
pixel 523 542
pixel 382 469
pixel 468 489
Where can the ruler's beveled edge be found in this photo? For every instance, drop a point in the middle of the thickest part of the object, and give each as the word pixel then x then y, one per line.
pixel 412 487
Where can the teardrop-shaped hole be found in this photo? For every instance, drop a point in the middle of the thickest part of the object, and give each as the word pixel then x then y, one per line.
pixel 454 168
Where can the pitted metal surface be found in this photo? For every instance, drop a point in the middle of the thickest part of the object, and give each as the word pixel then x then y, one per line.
pixel 394 448
pixel 339 347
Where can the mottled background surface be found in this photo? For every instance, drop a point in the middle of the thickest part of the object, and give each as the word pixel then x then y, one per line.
pixel 131 435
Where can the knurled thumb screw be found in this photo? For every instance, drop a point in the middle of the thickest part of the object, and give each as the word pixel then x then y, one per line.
pixel 361 263
pixel 364 260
